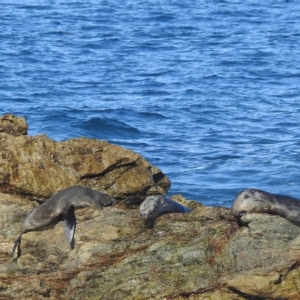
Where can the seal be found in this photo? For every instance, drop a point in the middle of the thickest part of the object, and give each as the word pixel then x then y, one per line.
pixel 157 205
pixel 61 206
pixel 258 201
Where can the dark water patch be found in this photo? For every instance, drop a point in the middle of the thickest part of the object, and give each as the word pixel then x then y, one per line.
pixel 111 129
pixel 19 100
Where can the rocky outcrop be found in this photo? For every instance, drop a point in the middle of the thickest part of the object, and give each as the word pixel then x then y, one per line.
pixel 199 255
pixel 13 125
pixel 38 166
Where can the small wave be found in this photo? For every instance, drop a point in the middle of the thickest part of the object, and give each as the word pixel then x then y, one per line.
pixel 153 115
pixel 108 129
pixel 20 100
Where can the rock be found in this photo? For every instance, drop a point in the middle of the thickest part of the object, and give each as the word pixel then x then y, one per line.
pixel 13 125
pixel 200 255
pixel 192 204
pixel 39 167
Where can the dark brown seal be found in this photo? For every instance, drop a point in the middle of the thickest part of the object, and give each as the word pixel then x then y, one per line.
pixel 254 200
pixel 61 206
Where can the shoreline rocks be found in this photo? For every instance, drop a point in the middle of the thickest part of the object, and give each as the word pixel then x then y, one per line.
pixel 13 125
pixel 200 255
pixel 38 167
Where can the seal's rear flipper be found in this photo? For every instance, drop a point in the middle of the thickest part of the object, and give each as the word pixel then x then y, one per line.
pixel 69 223
pixel 17 242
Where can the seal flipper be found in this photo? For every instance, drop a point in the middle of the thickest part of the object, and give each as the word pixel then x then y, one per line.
pixel 69 223
pixel 17 243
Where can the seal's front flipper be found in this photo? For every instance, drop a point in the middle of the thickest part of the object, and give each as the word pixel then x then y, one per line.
pixel 69 223
pixel 17 242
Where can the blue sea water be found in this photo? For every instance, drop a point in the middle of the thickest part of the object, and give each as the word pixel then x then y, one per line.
pixel 208 91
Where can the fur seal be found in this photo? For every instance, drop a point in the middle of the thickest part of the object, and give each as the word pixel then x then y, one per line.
pixel 157 205
pixel 254 200
pixel 61 206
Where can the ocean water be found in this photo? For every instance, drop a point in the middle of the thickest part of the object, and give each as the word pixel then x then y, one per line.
pixel 208 91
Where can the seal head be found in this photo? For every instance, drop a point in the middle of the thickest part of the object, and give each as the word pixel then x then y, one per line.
pixel 157 205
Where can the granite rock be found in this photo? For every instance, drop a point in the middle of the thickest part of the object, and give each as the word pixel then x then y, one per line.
pixel 38 167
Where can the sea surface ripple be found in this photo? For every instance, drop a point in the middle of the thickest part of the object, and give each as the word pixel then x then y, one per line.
pixel 208 91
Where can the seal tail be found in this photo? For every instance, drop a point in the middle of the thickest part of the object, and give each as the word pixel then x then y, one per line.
pixel 17 242
pixel 69 223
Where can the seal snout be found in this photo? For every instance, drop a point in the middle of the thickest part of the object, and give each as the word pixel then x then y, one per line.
pixel 238 216
pixel 145 214
pixel 113 201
